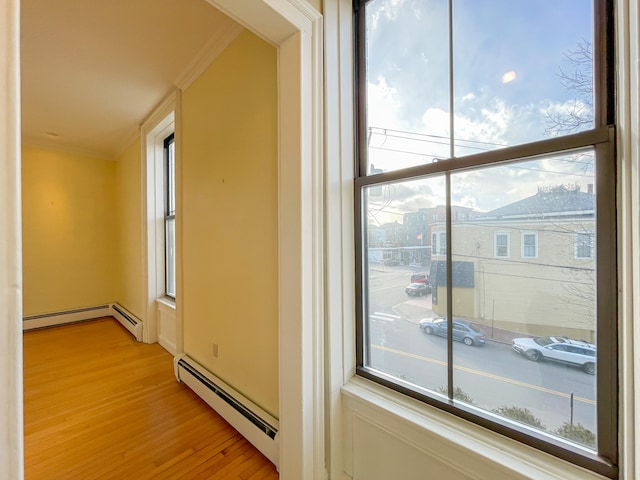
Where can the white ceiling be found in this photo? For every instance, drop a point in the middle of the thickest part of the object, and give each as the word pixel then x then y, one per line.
pixel 92 70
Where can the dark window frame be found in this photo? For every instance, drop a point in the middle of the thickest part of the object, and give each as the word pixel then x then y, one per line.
pixel 602 139
pixel 169 206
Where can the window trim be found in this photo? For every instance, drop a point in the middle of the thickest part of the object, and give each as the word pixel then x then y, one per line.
pixel 160 124
pixel 602 140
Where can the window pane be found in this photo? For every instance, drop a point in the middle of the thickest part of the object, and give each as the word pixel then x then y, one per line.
pixel 401 281
pixel 171 178
pixel 170 250
pixel 407 83
pixel 522 71
pixel 502 245
pixel 536 364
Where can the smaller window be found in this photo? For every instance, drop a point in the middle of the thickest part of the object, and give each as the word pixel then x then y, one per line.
pixel 434 244
pixel 170 217
pixel 443 243
pixel 502 245
pixel 530 245
pixel 584 245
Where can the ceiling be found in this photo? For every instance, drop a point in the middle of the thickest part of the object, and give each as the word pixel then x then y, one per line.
pixel 93 70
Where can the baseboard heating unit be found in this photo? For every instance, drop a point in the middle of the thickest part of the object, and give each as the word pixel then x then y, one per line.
pixel 256 425
pixel 127 320
pixel 53 319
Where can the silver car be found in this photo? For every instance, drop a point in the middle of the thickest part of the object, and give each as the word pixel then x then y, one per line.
pixel 464 332
pixel 558 349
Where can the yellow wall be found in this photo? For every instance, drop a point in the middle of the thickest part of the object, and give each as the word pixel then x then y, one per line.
pixel 130 221
pixel 69 259
pixel 230 221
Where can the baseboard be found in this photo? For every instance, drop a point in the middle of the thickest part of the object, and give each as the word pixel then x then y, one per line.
pixel 253 423
pixel 53 319
pixel 127 320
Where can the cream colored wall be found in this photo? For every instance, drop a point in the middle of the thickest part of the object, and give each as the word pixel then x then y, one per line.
pixel 230 219
pixel 128 207
pixel 69 257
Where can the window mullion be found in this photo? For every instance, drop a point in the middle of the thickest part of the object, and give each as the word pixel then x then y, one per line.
pixel 449 277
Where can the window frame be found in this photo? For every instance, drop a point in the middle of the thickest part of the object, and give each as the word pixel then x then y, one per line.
pixel 536 246
pixel 507 246
pixel 169 211
pixel 579 245
pixel 602 139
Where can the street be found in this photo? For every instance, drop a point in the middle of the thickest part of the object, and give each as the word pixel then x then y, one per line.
pixel 492 375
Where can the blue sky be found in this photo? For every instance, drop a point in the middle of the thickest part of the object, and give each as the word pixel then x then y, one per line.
pixel 408 83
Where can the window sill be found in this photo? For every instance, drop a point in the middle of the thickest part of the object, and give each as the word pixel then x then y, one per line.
pixel 444 437
pixel 166 304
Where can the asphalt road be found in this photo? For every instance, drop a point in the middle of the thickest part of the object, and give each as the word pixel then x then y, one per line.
pixel 493 375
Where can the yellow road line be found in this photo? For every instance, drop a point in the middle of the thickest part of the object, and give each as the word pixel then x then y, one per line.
pixel 485 374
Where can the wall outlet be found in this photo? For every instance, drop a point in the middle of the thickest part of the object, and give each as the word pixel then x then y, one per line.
pixel 215 350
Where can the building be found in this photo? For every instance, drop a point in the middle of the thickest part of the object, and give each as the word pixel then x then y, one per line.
pixel 332 424
pixel 538 251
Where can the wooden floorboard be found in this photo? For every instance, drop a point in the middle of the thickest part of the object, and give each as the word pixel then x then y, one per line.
pixel 99 405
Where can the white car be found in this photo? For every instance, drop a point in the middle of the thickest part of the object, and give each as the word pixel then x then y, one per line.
pixel 558 349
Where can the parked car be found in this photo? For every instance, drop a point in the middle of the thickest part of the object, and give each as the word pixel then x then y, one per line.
pixel 464 332
pixel 420 278
pixel 418 289
pixel 558 349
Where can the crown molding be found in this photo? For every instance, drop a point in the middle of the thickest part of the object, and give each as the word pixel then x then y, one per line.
pixel 221 39
pixel 131 136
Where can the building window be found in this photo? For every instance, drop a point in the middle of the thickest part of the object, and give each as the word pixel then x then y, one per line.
pixel 501 244
pixel 515 133
pixel 170 217
pixel 530 245
pixel 584 245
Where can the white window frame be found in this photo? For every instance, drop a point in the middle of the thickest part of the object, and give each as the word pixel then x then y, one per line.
pixel 160 124
pixel 495 244
pixel 536 246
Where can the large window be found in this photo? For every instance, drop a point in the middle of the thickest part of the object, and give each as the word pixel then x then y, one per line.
pixel 502 111
pixel 170 217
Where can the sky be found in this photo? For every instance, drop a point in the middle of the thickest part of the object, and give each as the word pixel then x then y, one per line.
pixel 507 56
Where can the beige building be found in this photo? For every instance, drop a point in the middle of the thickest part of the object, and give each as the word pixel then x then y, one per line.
pixel 527 267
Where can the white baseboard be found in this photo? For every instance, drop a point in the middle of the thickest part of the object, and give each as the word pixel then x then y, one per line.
pixel 53 319
pixel 127 320
pixel 253 423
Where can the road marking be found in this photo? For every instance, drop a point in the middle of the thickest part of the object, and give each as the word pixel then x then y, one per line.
pixel 385 317
pixel 485 374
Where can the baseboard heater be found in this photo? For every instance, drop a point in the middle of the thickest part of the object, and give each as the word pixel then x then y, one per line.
pixel 127 320
pixel 256 425
pixel 53 319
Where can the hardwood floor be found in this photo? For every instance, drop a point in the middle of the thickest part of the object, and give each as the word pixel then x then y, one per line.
pixel 99 405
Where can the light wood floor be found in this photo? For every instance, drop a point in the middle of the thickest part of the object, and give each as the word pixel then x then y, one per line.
pixel 99 405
